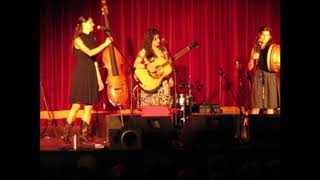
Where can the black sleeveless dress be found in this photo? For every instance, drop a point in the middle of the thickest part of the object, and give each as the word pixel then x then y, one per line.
pixel 84 85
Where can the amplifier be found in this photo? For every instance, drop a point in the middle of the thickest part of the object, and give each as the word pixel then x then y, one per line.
pixel 210 108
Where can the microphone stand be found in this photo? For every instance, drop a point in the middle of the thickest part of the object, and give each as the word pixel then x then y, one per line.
pixel 220 86
pixel 238 122
pixel 259 50
pixel 176 123
pixel 50 120
pixel 131 88
pixel 174 68
pixel 190 97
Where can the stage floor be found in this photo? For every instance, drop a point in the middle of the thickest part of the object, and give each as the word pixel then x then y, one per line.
pixel 202 128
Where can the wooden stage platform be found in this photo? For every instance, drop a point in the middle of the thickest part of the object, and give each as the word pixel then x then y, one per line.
pixel 201 130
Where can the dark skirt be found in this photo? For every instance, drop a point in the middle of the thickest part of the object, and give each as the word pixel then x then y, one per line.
pixel 84 85
pixel 265 92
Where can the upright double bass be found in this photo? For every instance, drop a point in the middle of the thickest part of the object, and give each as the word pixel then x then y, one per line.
pixel 117 89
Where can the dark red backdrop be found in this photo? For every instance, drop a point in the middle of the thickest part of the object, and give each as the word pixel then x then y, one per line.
pixel 225 30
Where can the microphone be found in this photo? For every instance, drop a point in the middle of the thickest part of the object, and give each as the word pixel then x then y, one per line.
pixel 164 45
pixel 102 28
pixel 220 71
pixel 237 65
pixel 259 45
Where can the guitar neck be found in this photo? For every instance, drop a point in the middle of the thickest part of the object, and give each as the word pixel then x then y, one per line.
pixel 178 55
pixel 182 52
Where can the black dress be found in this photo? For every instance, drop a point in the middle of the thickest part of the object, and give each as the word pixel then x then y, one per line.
pixel 84 85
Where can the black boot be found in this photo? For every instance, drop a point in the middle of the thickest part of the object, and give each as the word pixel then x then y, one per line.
pixel 85 131
pixel 66 133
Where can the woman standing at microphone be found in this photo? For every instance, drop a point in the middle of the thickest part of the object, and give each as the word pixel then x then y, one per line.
pixel 265 91
pixel 86 79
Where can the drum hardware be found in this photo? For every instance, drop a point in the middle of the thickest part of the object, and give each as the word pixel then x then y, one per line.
pixel 185 102
pixel 185 86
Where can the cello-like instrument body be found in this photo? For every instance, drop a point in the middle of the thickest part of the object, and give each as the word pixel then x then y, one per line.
pixel 117 90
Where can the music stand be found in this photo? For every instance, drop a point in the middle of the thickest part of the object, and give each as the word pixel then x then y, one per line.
pixel 51 121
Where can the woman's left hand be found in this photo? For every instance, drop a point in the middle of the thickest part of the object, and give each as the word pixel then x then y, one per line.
pixel 101 85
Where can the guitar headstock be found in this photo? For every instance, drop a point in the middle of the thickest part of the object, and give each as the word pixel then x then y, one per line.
pixel 193 45
pixel 104 8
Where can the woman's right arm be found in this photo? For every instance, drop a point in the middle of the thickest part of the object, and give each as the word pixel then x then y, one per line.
pixel 91 52
pixel 138 62
pixel 253 58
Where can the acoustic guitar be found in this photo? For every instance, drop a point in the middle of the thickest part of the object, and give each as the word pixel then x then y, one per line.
pixel 161 67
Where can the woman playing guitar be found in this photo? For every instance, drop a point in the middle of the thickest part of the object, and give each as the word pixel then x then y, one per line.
pixel 148 57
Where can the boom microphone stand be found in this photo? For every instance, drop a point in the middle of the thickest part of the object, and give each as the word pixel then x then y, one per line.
pixel 237 100
pixel 240 95
pixel 190 97
pixel 164 45
pixel 176 122
pixel 220 86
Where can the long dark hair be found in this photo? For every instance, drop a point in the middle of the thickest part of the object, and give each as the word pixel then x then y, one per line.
pixel 79 28
pixel 148 38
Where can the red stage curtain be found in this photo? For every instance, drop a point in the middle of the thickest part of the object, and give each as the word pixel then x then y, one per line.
pixel 225 30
